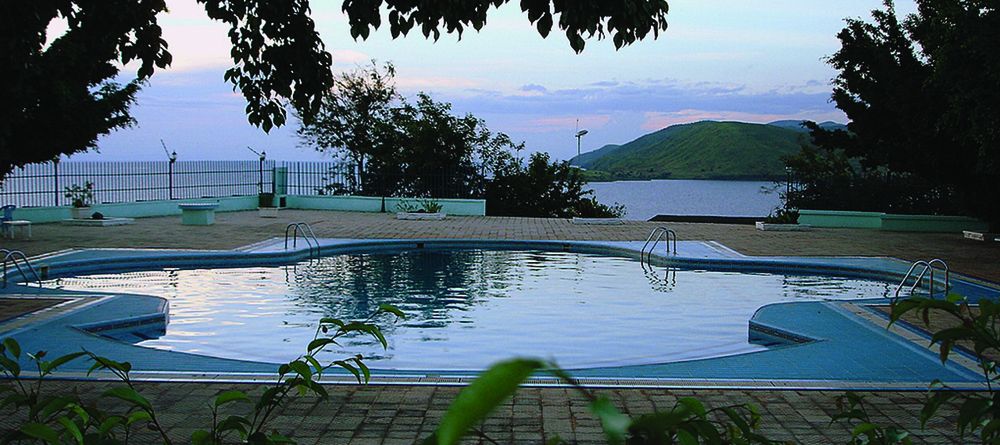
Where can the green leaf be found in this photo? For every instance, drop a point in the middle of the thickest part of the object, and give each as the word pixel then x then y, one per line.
pixel 138 416
pixel 613 422
pixel 863 428
pixel 10 366
pixel 129 395
pixel 482 396
pixel 201 437
pixel 317 367
pixel 48 367
pixel 40 431
pixel 11 345
pixel 686 438
pixel 229 397
pixel 319 343
pixel 693 405
pixel 392 310
pixel 110 423
pixel 73 429
pixel 301 368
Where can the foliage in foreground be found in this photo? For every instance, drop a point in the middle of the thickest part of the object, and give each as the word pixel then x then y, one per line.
pixel 688 422
pixel 66 419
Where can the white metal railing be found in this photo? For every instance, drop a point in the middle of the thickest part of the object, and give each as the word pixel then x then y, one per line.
pixel 654 237
pixel 925 268
pixel 307 234
pixel 17 258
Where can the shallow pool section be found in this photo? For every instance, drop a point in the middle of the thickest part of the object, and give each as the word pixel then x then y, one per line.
pixel 468 308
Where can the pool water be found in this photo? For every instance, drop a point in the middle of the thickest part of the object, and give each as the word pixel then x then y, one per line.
pixel 469 308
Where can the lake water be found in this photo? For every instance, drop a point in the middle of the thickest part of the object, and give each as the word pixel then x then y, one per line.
pixel 646 199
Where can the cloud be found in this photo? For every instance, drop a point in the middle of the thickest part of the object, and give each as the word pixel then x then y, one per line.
pixel 435 82
pixel 563 123
pixel 533 87
pixel 348 56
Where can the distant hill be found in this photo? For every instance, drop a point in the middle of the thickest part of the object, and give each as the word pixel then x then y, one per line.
pixel 700 150
pixel 797 125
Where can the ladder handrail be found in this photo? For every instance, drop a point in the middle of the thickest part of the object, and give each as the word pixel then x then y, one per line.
pixel 918 278
pixel 307 233
pixel 658 232
pixel 12 256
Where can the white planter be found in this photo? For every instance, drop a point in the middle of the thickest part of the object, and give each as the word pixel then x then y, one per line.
pixel 597 221
pixel 267 212
pixel 420 216
pixel 768 227
pixel 81 212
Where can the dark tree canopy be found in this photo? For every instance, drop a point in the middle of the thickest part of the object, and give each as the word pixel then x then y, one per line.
pixel 923 98
pixel 58 99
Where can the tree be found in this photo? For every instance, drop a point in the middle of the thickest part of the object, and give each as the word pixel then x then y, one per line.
pixel 60 97
pixel 543 188
pixel 351 120
pixel 923 99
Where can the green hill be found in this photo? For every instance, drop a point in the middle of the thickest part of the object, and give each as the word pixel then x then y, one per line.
pixel 700 150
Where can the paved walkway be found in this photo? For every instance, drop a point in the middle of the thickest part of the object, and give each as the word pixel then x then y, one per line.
pixel 241 228
pixel 401 414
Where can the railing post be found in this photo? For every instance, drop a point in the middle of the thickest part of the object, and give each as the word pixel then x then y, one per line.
pixel 260 182
pixel 170 175
pixel 55 176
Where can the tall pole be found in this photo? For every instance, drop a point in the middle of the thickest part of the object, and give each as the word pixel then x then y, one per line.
pixel 170 173
pixel 579 136
pixel 55 176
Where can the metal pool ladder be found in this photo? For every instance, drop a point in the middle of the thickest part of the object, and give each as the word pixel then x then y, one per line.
pixel 307 234
pixel 654 237
pixel 17 258
pixel 918 273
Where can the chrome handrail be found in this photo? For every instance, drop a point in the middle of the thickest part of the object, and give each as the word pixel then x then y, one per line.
pixel 919 277
pixel 12 256
pixel 307 234
pixel 658 233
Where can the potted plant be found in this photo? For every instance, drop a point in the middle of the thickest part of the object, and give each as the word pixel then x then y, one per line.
pixel 81 197
pixel 266 207
pixel 782 220
pixel 426 209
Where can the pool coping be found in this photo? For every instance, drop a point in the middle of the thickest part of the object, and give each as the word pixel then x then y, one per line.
pixel 271 251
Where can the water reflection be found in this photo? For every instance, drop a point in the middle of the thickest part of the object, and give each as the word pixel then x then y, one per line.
pixel 468 308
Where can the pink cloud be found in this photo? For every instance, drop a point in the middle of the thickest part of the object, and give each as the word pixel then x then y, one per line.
pixel 435 82
pixel 563 123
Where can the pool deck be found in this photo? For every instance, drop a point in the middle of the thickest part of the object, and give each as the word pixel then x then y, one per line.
pixel 402 413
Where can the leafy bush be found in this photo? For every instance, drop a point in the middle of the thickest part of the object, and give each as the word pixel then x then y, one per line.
pixel 543 188
pixel 783 216
pixel 80 196
pixel 398 147
pixel 64 418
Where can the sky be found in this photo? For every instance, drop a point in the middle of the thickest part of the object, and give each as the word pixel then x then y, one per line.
pixel 744 60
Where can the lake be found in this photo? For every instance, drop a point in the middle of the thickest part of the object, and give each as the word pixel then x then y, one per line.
pixel 646 199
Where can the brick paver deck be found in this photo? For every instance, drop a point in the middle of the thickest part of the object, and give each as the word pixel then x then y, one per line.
pixel 16 307
pixel 402 414
pixel 241 228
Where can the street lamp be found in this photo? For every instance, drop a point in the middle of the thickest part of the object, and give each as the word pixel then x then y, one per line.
pixel 579 136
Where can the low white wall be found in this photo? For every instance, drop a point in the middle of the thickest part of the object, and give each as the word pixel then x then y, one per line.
pixel 469 207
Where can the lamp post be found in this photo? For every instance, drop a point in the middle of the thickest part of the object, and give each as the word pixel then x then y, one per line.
pixel 579 136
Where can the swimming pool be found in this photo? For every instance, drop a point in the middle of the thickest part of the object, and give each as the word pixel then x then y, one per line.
pixel 467 308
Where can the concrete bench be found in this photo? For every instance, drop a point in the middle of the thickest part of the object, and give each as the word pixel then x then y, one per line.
pixel 25 225
pixel 198 213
